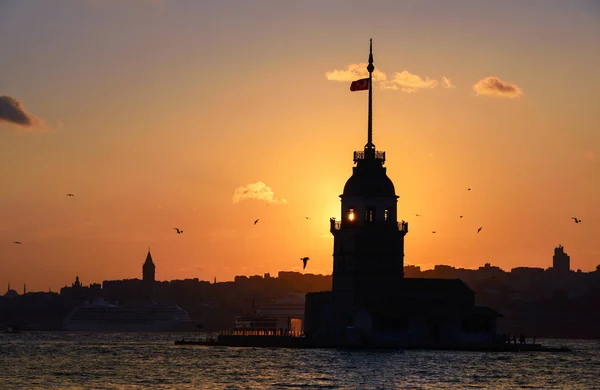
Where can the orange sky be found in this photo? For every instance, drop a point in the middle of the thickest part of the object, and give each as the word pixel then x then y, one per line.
pixel 152 113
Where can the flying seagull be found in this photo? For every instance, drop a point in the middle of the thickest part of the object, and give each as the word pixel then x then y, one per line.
pixel 307 217
pixel 304 260
pixel 469 189
pixel 256 221
pixel 433 231
pixel 71 195
pixel 418 215
pixel 178 231
pixel 576 220
pixel 478 230
pixel 460 216
pixel 17 242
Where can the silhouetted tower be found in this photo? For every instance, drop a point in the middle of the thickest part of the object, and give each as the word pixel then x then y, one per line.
pixel 148 270
pixel 76 283
pixel 561 262
pixel 368 247
pixel 24 288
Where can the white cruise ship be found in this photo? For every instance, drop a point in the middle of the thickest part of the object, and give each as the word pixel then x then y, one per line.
pixel 103 317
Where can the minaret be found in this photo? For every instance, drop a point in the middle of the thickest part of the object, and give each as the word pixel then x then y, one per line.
pixel 148 270
pixel 368 254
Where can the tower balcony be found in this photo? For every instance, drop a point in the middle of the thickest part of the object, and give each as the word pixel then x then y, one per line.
pixel 337 225
pixel 403 226
pixel 360 155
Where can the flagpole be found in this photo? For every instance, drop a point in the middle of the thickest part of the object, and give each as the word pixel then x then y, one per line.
pixel 370 68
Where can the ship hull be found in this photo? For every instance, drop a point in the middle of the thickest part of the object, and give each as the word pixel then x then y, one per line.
pixel 130 319
pixel 130 327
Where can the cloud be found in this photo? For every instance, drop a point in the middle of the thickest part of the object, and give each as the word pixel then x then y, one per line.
pixel 446 83
pixel 493 86
pixel 403 81
pixel 412 81
pixel 12 111
pixel 354 72
pixel 257 191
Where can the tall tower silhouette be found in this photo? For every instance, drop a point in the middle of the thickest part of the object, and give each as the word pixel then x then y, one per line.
pixel 368 248
pixel 148 270
pixel 370 300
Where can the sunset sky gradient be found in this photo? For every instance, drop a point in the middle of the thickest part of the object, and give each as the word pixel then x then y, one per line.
pixel 157 114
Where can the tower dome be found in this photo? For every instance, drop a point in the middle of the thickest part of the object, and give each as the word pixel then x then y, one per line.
pixel 369 178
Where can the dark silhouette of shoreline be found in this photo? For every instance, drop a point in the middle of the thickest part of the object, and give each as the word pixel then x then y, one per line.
pixel 537 302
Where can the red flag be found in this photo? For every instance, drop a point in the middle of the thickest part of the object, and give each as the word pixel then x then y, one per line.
pixel 359 85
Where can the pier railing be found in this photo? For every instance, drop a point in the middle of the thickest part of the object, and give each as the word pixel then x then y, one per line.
pixel 261 332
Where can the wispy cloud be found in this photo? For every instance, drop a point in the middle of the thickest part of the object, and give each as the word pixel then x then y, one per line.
pixel 403 81
pixel 493 86
pixel 354 72
pixel 446 83
pixel 412 81
pixel 13 111
pixel 256 191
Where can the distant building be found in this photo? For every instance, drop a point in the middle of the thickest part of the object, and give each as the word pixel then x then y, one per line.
pixel 76 283
pixel 561 262
pixel 371 301
pixel 10 293
pixel 148 270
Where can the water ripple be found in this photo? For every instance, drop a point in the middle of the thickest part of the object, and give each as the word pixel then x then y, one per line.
pixel 131 360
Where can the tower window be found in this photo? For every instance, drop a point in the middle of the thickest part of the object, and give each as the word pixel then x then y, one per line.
pixel 386 215
pixel 370 214
pixel 351 215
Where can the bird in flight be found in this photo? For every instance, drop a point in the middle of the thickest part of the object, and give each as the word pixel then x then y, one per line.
pixel 418 215
pixel 178 231
pixel 576 220
pixel 304 261
pixel 256 221
pixel 469 189
pixel 433 231
pixel 17 242
pixel 460 216
pixel 478 230
pixel 71 195
pixel 307 217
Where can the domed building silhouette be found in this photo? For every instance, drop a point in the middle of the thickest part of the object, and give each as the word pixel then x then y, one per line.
pixel 370 300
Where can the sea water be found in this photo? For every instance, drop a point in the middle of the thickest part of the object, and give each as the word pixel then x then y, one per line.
pixel 64 360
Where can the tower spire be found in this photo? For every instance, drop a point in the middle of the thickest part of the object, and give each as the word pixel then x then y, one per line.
pixel 370 68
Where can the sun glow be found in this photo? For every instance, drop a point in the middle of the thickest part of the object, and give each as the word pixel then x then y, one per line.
pixel 351 215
